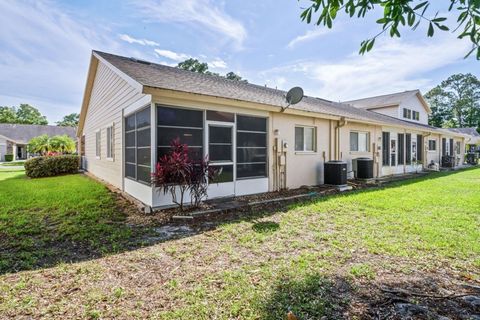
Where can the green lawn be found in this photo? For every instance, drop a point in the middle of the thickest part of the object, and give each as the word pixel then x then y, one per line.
pixel 44 221
pixel 12 164
pixel 327 258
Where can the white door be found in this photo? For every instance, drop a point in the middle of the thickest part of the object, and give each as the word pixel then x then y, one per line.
pixel 220 151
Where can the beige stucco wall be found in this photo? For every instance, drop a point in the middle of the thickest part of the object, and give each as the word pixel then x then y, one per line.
pixel 347 155
pixel 110 95
pixel 302 168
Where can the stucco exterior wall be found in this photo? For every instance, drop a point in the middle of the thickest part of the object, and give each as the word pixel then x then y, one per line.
pixel 302 168
pixel 110 95
pixel 347 155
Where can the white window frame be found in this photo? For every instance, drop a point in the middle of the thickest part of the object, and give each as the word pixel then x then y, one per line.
pixel 98 144
pixel 110 142
pixel 367 136
pixel 304 150
pixel 458 147
pixel 432 150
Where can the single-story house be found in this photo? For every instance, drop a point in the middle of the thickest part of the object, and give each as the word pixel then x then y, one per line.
pixel 132 110
pixel 14 138
pixel 473 136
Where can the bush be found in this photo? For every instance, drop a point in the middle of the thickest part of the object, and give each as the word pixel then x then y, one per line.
pixel 51 166
pixel 8 157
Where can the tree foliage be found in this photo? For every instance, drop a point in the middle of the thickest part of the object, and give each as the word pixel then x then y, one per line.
pixel 8 115
pixel 70 120
pixel 24 114
pixel 195 65
pixel 456 102
pixel 398 14
pixel 61 144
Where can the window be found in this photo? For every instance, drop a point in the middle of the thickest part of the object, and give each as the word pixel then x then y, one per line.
pixel 359 141
pixel 420 146
pixel 414 151
pixel 408 148
pixel 183 124
pixel 138 146
pixel 220 116
pixel 98 141
pixel 405 113
pixel 409 114
pixel 415 115
pixel 251 147
pixel 401 148
pixel 458 147
pixel 432 145
pixel 385 148
pixel 305 139
pixel 110 143
pixel 393 152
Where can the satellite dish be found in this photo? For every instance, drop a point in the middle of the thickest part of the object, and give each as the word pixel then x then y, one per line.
pixel 294 96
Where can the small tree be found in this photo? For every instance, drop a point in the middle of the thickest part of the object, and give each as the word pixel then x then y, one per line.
pixel 45 145
pixel 62 144
pixel 172 172
pixel 201 175
pixel 176 171
pixel 40 144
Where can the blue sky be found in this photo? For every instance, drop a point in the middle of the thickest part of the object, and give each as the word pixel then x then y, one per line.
pixel 45 48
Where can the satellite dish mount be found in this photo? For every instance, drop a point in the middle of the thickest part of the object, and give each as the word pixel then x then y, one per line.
pixel 293 96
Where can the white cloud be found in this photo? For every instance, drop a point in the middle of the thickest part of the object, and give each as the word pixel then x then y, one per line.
pixel 143 42
pixel 310 35
pixel 218 64
pixel 172 55
pixel 44 55
pixel 197 12
pixel 394 65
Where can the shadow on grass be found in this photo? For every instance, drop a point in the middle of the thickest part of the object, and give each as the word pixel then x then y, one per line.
pixel 103 235
pixel 320 297
pixel 312 297
pixel 265 227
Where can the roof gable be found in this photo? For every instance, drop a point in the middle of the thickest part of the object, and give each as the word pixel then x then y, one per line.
pixel 389 100
pixel 22 133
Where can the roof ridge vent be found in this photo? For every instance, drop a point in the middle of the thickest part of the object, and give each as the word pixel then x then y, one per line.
pixel 140 61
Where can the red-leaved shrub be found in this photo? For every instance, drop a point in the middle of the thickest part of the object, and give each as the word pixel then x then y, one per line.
pixel 178 171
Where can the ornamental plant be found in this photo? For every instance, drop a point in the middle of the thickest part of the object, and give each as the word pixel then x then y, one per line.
pixel 177 173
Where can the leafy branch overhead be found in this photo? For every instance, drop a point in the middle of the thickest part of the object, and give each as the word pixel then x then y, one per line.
pixel 399 14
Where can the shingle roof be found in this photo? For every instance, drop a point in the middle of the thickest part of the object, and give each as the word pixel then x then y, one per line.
pixel 392 99
pixel 171 78
pixel 22 133
pixel 470 131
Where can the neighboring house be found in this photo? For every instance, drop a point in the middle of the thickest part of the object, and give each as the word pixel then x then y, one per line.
pixel 411 106
pixel 15 137
pixel 133 109
pixel 474 136
pixel 407 105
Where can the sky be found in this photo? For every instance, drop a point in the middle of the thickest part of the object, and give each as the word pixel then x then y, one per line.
pixel 45 48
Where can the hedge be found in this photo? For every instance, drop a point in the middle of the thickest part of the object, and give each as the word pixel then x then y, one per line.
pixel 51 166
pixel 9 157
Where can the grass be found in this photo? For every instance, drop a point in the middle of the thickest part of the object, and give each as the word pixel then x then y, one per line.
pixel 322 258
pixel 12 164
pixel 40 219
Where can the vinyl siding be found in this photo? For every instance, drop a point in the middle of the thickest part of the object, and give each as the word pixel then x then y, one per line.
pixel 110 95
